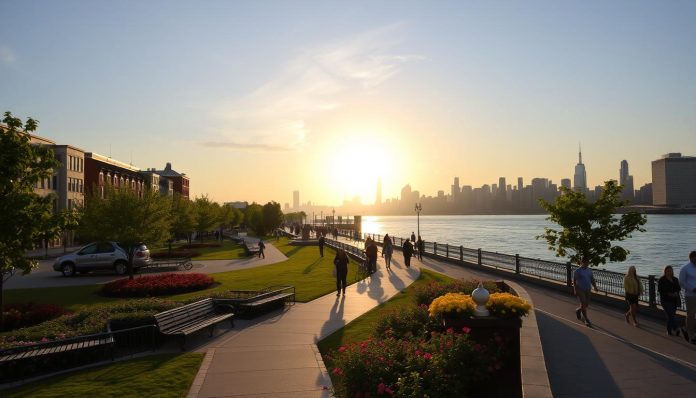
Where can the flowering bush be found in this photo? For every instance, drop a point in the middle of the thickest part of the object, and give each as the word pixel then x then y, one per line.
pixel 85 322
pixel 405 323
pixel 426 294
pixel 506 305
pixel 175 253
pixel 157 285
pixel 17 316
pixel 444 365
pixel 452 305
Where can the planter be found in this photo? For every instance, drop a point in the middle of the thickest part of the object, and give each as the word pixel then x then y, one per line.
pixel 482 330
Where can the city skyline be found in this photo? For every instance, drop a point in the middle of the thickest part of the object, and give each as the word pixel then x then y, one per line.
pixel 326 98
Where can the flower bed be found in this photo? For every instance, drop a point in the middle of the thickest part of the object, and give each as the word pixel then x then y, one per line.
pixel 157 285
pixel 16 316
pixel 175 253
pixel 199 245
pixel 426 294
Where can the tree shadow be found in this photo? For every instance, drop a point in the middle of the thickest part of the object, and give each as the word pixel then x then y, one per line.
pixel 311 266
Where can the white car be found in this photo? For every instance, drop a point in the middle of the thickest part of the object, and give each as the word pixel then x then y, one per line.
pixel 101 256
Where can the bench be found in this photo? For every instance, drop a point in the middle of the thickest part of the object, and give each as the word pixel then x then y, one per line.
pixel 249 303
pixel 22 361
pixel 190 318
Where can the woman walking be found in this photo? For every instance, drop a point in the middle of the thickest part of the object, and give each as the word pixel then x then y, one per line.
pixel 341 263
pixel 387 251
pixel 633 289
pixel 668 287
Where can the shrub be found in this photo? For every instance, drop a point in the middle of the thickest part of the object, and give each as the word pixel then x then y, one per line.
pixel 426 294
pixel 506 305
pixel 405 323
pixel 452 305
pixel 157 285
pixel 28 314
pixel 175 253
pixel 199 245
pixel 445 365
pixel 94 320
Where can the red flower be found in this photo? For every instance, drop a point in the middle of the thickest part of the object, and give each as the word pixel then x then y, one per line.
pixel 466 329
pixel 341 348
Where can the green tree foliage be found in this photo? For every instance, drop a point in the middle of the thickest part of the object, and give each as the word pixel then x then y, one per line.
pixel 51 225
pixel 21 210
pixel 206 213
pixel 124 217
pixel 272 217
pixel 588 229
pixel 183 216
pixel 253 218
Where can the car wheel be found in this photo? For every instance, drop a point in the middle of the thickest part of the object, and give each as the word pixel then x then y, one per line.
pixel 121 268
pixel 68 269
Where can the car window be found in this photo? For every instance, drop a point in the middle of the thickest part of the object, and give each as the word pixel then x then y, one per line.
pixel 104 247
pixel 91 249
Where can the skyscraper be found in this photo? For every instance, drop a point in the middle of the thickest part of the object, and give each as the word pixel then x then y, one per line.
pixel 455 188
pixel 520 183
pixel 295 199
pixel 673 179
pixel 580 177
pixel 626 181
pixel 378 199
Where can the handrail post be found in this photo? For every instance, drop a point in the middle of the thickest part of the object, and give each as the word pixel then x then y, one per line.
pixel 446 250
pixel 479 257
pixel 651 291
pixel 517 264
pixel 435 248
pixel 569 274
pixel 461 253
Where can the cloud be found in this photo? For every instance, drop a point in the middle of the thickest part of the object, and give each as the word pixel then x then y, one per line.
pixel 7 56
pixel 277 115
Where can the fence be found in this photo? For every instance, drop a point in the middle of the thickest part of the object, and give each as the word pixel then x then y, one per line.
pixel 608 282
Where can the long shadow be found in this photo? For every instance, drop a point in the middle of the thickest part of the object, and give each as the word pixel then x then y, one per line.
pixel 575 368
pixel 311 266
pixel 335 321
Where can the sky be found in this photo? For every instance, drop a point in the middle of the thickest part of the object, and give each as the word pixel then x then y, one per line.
pixel 253 100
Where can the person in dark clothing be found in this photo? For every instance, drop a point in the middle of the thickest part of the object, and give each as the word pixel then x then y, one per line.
pixel 341 263
pixel 371 253
pixel 420 244
pixel 413 237
pixel 668 287
pixel 408 252
pixel 262 246
pixel 321 245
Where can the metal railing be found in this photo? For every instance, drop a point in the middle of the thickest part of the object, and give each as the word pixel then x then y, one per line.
pixel 608 282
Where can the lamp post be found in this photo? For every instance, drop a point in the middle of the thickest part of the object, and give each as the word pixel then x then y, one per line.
pixel 418 209
pixel 333 218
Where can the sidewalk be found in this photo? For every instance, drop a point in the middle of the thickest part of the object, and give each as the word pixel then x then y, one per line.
pixel 612 359
pixel 277 356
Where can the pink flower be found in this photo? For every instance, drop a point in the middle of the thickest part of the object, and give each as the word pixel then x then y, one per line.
pixel 466 329
pixel 337 371
pixel 427 356
pixel 341 348
pixel 380 388
pixel 389 391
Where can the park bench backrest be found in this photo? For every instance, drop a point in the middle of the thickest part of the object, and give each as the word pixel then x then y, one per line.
pixel 171 318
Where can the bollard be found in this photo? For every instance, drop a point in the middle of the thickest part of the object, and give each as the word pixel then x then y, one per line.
pixel 652 299
pixel 517 264
pixel 479 257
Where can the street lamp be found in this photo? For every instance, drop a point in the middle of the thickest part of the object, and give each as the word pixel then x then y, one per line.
pixel 418 209
pixel 333 218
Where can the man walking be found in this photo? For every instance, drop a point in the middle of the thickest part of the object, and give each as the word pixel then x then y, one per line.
pixel 407 249
pixel 321 245
pixel 583 282
pixel 371 253
pixel 420 245
pixel 687 279
pixel 262 246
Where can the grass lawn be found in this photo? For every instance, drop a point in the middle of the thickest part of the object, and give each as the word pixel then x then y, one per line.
pixel 228 251
pixel 361 328
pixel 311 274
pixel 166 375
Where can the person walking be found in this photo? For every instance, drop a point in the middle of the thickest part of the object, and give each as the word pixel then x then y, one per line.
pixel 687 279
pixel 421 247
pixel 321 245
pixel 632 289
pixel 668 287
pixel 262 247
pixel 583 282
pixel 371 253
pixel 341 264
pixel 387 251
pixel 413 237
pixel 408 252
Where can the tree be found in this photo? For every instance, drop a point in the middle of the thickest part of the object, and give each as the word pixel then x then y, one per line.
pixel 272 217
pixel 253 218
pixel 206 214
pixel 69 221
pixel 21 166
pixel 588 229
pixel 182 217
pixel 125 218
pixel 51 224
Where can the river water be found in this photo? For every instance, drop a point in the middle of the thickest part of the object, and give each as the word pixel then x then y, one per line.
pixel 667 241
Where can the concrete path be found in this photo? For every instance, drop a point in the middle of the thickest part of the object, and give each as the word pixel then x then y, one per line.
pixel 612 359
pixel 45 276
pixel 277 355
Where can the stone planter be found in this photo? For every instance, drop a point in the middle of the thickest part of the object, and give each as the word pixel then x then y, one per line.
pixel 483 329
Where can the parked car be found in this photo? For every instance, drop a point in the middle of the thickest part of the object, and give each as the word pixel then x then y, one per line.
pixel 101 256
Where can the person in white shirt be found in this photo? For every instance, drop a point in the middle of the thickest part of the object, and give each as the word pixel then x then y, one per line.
pixel 687 279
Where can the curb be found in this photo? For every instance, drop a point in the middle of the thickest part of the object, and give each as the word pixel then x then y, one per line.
pixel 200 376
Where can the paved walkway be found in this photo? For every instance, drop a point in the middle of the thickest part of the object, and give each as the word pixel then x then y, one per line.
pixel 612 359
pixel 277 355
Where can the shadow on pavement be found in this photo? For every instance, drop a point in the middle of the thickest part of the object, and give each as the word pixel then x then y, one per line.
pixel 575 368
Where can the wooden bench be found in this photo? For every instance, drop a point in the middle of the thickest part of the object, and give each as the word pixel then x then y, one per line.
pixel 20 362
pixel 248 304
pixel 190 318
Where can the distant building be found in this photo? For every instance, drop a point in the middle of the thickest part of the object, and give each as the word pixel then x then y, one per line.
pixel 644 196
pixel 101 170
pixel 674 180
pixel 626 180
pixel 180 180
pixel 565 182
pixel 580 177
pixel 454 189
pixel 238 205
pixel 520 183
pixel 295 200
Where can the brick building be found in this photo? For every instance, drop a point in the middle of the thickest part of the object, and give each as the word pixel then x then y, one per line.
pixel 100 170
